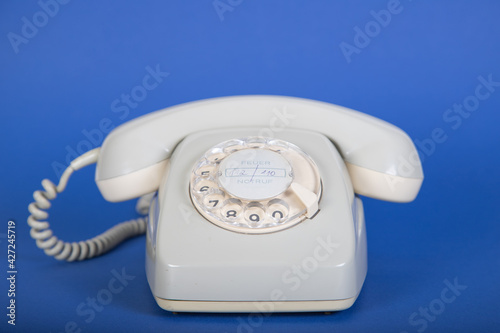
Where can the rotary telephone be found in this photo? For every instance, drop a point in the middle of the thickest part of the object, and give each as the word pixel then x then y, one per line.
pixel 251 201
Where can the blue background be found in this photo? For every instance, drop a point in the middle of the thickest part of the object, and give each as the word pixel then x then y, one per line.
pixel 62 82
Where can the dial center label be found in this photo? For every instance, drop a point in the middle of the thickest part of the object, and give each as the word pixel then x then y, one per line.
pixel 255 174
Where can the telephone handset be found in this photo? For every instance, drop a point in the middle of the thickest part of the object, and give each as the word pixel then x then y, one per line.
pixel 255 204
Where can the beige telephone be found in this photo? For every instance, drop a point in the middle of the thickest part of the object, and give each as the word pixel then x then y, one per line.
pixel 251 200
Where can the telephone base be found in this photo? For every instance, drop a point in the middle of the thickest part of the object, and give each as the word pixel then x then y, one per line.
pixel 317 265
pixel 254 306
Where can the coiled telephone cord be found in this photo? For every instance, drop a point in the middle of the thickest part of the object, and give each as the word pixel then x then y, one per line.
pixel 100 244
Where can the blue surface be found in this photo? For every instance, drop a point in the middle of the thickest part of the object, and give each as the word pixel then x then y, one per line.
pixel 61 81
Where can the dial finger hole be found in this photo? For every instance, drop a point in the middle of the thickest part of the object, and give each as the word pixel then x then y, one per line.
pixel 231 210
pixel 277 145
pixel 233 145
pixel 213 201
pixel 205 186
pixel 254 214
pixel 256 142
pixel 215 155
pixel 205 170
pixel 278 210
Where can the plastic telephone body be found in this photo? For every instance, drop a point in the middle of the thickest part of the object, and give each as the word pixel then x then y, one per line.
pixel 381 159
pixel 316 265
